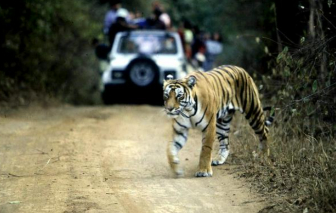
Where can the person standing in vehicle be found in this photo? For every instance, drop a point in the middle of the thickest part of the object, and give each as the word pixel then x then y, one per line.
pixel 163 16
pixel 198 49
pixel 154 22
pixel 188 39
pixel 111 15
pixel 120 25
pixel 214 47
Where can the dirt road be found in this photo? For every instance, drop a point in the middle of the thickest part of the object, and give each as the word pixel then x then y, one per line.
pixel 106 159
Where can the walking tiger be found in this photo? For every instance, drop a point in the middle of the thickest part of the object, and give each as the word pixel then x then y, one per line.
pixel 207 101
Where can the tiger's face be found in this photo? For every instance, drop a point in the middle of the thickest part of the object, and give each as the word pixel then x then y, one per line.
pixel 177 95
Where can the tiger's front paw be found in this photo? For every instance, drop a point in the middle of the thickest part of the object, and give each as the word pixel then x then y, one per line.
pixel 204 173
pixel 216 163
pixel 174 163
pixel 220 159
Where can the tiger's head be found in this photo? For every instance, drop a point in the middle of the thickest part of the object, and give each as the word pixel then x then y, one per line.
pixel 177 95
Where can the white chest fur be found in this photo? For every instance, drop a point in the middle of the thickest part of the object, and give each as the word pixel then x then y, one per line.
pixel 192 119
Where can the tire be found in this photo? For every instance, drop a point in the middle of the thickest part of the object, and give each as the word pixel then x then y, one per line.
pixel 143 73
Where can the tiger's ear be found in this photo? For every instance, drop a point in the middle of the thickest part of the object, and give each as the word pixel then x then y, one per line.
pixel 191 81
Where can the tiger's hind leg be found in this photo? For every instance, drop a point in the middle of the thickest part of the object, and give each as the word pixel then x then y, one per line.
pixel 258 124
pixel 222 131
pixel 264 154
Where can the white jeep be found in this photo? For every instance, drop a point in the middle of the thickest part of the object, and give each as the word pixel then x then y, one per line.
pixel 141 59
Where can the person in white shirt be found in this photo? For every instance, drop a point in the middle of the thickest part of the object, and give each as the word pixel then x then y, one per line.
pixel 111 15
pixel 213 47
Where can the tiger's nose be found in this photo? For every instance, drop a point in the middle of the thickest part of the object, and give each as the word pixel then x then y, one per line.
pixel 170 108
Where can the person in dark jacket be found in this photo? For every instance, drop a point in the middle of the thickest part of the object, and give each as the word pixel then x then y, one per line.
pixel 119 26
pixel 155 22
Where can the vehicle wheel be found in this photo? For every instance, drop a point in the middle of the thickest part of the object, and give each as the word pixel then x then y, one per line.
pixel 142 73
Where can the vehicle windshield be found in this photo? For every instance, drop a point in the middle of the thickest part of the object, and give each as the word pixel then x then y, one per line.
pixel 147 44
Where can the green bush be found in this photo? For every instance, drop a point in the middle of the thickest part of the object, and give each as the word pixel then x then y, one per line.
pixel 46 46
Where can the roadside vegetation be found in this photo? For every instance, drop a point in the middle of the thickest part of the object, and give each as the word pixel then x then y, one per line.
pixel 301 85
pixel 288 47
pixel 46 51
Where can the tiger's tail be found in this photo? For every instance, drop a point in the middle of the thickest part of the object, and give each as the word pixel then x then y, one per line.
pixel 270 119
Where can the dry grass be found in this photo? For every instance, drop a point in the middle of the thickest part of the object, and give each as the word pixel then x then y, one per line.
pixel 303 175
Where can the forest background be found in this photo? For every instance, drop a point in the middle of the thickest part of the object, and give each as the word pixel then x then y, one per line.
pixel 289 47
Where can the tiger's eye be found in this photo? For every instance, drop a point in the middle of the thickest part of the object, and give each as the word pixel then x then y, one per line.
pixel 179 97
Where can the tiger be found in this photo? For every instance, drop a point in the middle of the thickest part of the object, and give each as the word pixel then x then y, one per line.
pixel 207 101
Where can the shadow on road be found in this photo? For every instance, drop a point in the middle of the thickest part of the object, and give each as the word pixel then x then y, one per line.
pixel 133 95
